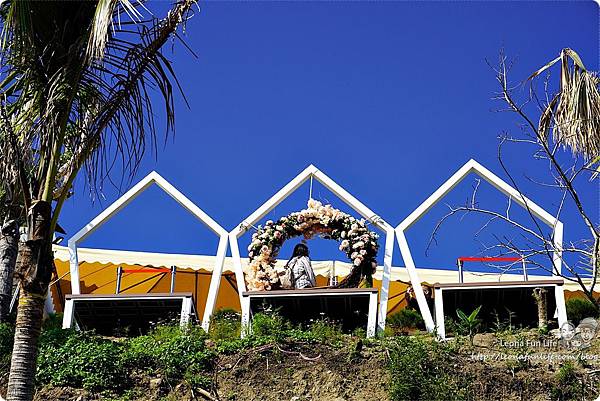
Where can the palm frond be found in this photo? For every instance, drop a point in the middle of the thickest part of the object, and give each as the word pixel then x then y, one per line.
pixel 104 18
pixel 574 113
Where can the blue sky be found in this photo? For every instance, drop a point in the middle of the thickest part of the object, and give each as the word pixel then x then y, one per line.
pixel 387 98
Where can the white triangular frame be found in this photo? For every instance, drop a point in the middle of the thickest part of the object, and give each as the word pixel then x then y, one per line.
pixel 309 173
pixel 122 202
pixel 473 166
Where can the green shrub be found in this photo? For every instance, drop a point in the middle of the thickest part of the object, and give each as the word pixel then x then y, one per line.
pixel 225 324
pixel 407 318
pixel 53 321
pixel 468 325
pixel 170 351
pixel 567 385
pixel 270 326
pixel 421 370
pixel 326 331
pixel 7 333
pixel 580 308
pixel 81 360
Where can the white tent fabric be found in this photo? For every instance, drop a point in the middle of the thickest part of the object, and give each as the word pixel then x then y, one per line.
pixel 323 268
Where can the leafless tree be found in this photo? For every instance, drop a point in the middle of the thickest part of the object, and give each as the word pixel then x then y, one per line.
pixel 571 156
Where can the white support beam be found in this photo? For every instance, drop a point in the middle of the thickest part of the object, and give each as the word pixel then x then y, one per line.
pixel 440 325
pixel 474 167
pixel 561 308
pixel 186 311
pixel 215 282
pixel 415 281
pixel 385 280
pixel 372 318
pixel 68 314
pixel 74 268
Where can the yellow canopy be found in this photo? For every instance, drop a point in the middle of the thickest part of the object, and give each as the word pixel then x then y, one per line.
pixel 98 274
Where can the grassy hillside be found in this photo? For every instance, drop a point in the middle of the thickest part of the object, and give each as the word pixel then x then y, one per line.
pixel 281 362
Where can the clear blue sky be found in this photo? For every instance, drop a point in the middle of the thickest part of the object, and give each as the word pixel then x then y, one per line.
pixel 387 98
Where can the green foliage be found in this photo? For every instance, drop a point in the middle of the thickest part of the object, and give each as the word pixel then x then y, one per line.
pixel 170 351
pixel 70 358
pixel 580 308
pixel 422 370
pixel 270 326
pixel 326 331
pixel 407 318
pixel 7 333
pixel 197 377
pixel 81 360
pixel 568 385
pixel 468 324
pixel 53 321
pixel 504 326
pixel 225 325
pixel 518 347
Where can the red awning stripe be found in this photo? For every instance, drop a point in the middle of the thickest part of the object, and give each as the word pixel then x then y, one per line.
pixel 488 259
pixel 147 271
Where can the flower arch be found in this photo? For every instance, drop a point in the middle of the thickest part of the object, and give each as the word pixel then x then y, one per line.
pixel 356 240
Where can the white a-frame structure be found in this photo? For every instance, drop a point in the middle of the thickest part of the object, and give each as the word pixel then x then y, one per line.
pixel 474 167
pixel 122 202
pixel 309 173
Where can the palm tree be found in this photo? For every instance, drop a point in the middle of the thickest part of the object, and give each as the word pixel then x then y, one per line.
pixel 11 214
pixel 9 246
pixel 76 91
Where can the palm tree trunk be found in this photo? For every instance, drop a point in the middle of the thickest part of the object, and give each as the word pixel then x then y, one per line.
pixel 21 382
pixel 34 270
pixel 9 246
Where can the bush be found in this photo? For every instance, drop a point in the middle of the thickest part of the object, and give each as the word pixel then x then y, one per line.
pixel 225 324
pixel 7 334
pixel 580 308
pixel 170 351
pixel 468 325
pixel 567 386
pixel 81 360
pixel 407 318
pixel 270 326
pixel 326 331
pixel 420 371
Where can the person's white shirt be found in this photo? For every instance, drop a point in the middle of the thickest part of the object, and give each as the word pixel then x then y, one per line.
pixel 304 276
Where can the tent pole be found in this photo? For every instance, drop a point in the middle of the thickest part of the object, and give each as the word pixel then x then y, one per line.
pixel 173 271
pixel 119 275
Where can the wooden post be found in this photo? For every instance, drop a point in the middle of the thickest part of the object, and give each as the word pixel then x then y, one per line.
pixel 541 299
